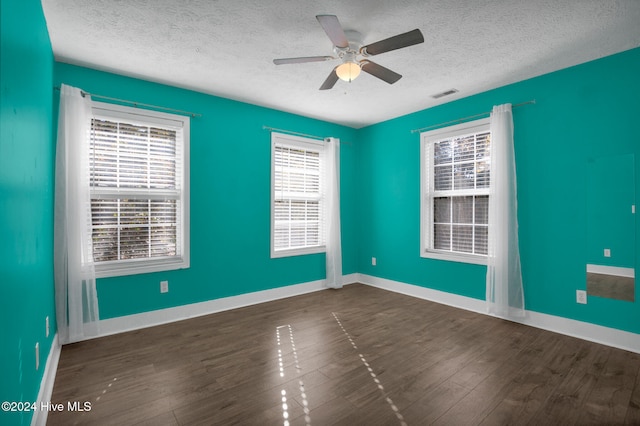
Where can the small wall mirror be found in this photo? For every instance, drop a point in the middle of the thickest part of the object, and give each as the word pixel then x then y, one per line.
pixel 611 227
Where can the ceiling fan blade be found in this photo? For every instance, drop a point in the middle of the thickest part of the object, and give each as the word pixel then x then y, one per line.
pixel 334 30
pixel 392 43
pixel 302 60
pixel 330 81
pixel 381 72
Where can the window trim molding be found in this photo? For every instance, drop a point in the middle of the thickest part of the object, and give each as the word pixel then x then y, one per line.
pixel 142 266
pixel 427 139
pixel 282 139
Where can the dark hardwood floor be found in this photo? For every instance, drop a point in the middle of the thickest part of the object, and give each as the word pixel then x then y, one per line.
pixel 355 356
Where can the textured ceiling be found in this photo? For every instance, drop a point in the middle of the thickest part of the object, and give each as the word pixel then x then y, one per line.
pixel 226 47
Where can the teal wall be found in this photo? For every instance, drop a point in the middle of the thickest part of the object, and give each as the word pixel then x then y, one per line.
pixel 610 220
pixel 583 112
pixel 26 201
pixel 230 199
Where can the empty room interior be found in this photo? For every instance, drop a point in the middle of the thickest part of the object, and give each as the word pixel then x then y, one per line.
pixel 316 213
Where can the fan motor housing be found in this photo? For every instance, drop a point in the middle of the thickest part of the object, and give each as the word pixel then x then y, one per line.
pixel 355 43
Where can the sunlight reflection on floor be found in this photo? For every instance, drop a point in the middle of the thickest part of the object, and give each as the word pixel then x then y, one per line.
pixel 282 351
pixel 371 372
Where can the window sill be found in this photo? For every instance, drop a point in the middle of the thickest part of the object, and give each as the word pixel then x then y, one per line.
pixel 297 252
pixel 455 257
pixel 133 267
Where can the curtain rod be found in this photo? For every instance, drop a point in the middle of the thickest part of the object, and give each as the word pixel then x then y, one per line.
pixel 136 104
pixel 290 132
pixel 463 119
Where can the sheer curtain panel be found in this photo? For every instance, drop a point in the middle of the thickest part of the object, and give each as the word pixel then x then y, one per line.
pixel 75 283
pixel 505 295
pixel 334 243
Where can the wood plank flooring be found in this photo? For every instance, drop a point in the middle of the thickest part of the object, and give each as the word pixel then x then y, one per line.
pixel 355 356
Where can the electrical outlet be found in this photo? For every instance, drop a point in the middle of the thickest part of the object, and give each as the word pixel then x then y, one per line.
pixel 607 252
pixel 374 261
pixel 37 355
pixel 581 296
pixel 46 325
pixel 164 286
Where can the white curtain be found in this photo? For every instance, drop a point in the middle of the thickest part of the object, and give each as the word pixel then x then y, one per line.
pixel 505 296
pixel 75 283
pixel 334 244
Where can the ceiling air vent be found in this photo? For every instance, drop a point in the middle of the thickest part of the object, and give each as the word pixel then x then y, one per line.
pixel 445 93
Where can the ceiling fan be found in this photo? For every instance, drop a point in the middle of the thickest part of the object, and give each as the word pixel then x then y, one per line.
pixel 347 46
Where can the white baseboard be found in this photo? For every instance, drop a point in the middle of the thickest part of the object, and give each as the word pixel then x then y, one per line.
pixel 444 298
pixel 163 316
pixel 579 329
pixel 46 386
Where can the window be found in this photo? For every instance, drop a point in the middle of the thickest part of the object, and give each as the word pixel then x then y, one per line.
pixel 297 195
pixel 455 168
pixel 139 190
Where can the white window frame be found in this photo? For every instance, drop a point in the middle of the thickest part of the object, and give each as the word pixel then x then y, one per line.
pixel 427 141
pixel 280 139
pixel 182 258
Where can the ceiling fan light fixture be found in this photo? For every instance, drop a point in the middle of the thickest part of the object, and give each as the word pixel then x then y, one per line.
pixel 348 71
pixel 347 46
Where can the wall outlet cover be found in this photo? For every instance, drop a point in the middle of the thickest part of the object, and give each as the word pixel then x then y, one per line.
pixel 374 261
pixel 581 296
pixel 164 286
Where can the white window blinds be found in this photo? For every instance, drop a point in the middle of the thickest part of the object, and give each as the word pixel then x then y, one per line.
pixel 137 186
pixel 297 195
pixel 456 173
pixel 461 193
